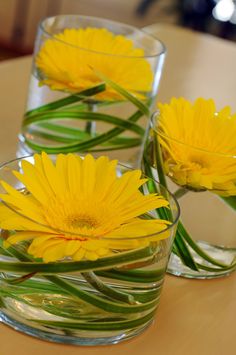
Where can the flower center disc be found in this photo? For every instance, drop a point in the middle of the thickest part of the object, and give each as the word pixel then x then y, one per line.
pixel 82 222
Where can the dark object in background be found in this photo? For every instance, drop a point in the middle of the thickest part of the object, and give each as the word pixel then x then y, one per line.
pixel 18 24
pixel 198 15
pixel 194 14
pixel 143 6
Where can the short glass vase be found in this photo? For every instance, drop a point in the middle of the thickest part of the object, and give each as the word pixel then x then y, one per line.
pixel 86 302
pixel 93 87
pixel 204 246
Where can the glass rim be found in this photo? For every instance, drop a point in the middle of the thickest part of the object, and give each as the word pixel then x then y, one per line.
pixel 169 226
pixel 155 128
pixel 135 29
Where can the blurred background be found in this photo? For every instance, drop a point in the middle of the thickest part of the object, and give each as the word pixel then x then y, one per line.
pixel 19 18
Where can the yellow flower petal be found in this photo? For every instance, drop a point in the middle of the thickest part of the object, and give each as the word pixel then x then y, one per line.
pixel 11 220
pixel 81 209
pixel 79 254
pixel 95 49
pixel 199 145
pixel 54 252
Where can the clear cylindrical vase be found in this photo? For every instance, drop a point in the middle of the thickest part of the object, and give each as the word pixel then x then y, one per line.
pixel 85 302
pixel 202 180
pixel 93 87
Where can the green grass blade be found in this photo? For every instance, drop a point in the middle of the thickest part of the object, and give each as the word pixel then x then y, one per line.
pixel 121 142
pixel 179 243
pixel 88 297
pixel 68 100
pixel 103 325
pixel 199 250
pixel 139 104
pixel 137 276
pixel 99 302
pixel 119 259
pixel 86 145
pixel 230 201
pixel 217 270
pixel 91 116
pixel 108 291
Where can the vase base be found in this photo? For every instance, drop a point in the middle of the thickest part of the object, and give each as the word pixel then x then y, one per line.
pixel 222 254
pixel 70 339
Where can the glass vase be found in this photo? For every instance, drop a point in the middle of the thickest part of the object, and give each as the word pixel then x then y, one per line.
pixel 87 302
pixel 93 87
pixel 205 240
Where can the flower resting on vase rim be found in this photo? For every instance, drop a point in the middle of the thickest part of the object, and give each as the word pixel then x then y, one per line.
pixel 68 61
pixel 79 209
pixel 198 145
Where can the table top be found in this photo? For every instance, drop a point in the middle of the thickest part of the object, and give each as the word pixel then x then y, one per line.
pixel 195 316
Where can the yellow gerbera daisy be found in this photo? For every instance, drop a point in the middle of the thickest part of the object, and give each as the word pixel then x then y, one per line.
pixel 199 145
pixel 68 61
pixel 79 208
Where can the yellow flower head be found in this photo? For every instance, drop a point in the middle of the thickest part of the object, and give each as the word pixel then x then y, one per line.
pixel 199 145
pixel 69 59
pixel 79 208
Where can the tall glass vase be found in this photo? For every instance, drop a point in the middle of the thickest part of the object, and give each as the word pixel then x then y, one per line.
pixel 93 87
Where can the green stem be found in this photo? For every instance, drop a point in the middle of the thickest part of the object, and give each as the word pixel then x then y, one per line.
pixel 96 283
